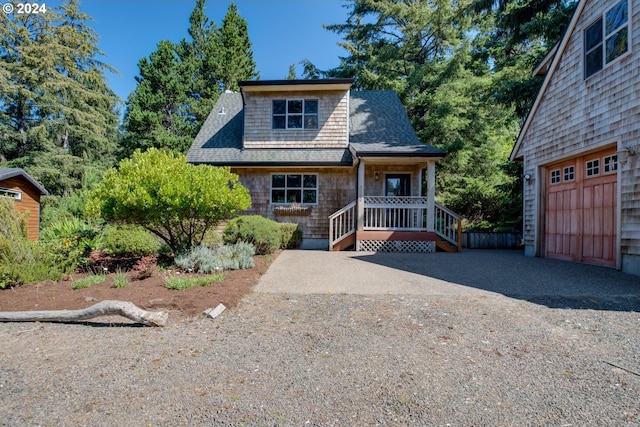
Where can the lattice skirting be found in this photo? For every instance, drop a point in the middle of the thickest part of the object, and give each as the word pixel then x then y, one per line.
pixel 395 246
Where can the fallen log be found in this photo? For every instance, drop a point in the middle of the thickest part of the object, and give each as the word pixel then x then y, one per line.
pixel 103 308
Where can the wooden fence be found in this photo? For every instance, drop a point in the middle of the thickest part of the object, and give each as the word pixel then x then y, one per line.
pixel 482 240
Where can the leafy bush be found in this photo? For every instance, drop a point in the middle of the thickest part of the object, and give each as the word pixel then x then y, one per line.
pixel 129 241
pixel 21 261
pixel 179 201
pixel 291 235
pixel 262 232
pixel 182 283
pixel 204 260
pixel 145 267
pixel 70 240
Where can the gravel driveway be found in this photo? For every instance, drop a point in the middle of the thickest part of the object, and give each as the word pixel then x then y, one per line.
pixel 499 352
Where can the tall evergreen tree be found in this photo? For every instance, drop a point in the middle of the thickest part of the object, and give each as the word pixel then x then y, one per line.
pixel 58 117
pixel 517 36
pixel 179 83
pixel 236 56
pixel 156 113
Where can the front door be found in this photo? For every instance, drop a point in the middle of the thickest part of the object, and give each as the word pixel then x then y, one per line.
pixel 398 184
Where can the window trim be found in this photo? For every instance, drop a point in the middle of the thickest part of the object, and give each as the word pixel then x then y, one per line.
pixel 11 194
pixel 595 169
pixel 303 114
pixel 613 165
pixel 602 18
pixel 301 189
pixel 553 178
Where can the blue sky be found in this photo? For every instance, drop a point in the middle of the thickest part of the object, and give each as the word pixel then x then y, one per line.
pixel 282 32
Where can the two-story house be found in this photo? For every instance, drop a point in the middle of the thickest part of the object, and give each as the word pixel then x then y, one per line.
pixel 345 165
pixel 580 139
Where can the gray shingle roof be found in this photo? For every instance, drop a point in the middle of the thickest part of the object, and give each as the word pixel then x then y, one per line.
pixel 6 173
pixel 379 126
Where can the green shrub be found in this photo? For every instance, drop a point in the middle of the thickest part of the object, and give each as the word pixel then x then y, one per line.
pixel 291 235
pixel 182 283
pixel 88 281
pixel 21 261
pixel 70 240
pixel 263 233
pixel 204 260
pixel 129 241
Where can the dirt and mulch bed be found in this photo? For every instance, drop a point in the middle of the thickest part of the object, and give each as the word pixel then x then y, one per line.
pixel 148 294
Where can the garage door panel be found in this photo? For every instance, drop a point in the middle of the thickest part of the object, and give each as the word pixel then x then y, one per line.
pixel 580 214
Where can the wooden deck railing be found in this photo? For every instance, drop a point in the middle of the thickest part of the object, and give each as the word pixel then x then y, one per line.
pixel 395 213
pixel 342 224
pixel 448 225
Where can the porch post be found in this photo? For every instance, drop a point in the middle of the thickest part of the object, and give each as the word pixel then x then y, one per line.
pixel 431 195
pixel 360 204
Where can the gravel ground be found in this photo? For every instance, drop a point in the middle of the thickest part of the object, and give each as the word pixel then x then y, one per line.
pixel 344 360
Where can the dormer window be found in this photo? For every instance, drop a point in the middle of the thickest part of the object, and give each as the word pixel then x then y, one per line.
pixel 295 114
pixel 606 39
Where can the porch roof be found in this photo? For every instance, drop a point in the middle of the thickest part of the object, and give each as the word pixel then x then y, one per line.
pixel 379 127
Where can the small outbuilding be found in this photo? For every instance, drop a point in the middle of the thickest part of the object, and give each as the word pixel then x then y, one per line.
pixel 25 191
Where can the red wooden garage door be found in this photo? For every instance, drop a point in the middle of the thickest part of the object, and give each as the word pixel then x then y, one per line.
pixel 580 214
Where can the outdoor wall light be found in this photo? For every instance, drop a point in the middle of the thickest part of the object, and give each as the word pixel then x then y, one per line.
pixel 376 175
pixel 527 177
pixel 624 154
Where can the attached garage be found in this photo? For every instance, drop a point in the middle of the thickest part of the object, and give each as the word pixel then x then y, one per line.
pixel 580 209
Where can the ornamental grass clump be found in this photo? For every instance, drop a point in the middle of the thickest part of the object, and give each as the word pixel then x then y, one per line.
pixel 182 283
pixel 88 281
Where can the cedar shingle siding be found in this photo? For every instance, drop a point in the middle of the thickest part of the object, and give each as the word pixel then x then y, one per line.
pixel 576 116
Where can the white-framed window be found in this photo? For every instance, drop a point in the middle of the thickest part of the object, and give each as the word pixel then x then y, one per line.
pixel 610 163
pixel 593 167
pixel 569 173
pixel 555 176
pixel 12 194
pixel 294 114
pixel 294 188
pixel 607 38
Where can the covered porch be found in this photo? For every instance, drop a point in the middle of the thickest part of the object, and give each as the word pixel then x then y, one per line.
pixel 395 210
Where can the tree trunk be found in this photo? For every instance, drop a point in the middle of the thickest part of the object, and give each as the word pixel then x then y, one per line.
pixel 103 308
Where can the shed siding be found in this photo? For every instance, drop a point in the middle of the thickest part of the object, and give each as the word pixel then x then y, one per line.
pixel 30 203
pixel 577 116
pixel 336 188
pixel 332 121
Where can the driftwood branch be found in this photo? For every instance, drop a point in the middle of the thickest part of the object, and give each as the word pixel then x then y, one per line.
pixel 103 308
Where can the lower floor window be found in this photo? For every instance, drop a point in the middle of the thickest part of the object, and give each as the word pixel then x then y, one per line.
pixel 294 188
pixel 12 194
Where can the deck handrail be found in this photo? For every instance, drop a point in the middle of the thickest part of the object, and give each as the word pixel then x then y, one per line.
pixel 448 225
pixel 395 213
pixel 342 224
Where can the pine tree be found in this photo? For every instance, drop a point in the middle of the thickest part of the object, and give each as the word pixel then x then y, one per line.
pixel 156 110
pixel 179 83
pixel 236 55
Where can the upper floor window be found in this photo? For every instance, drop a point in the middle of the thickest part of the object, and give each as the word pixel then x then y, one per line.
pixel 607 38
pixel 295 114
pixel 12 194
